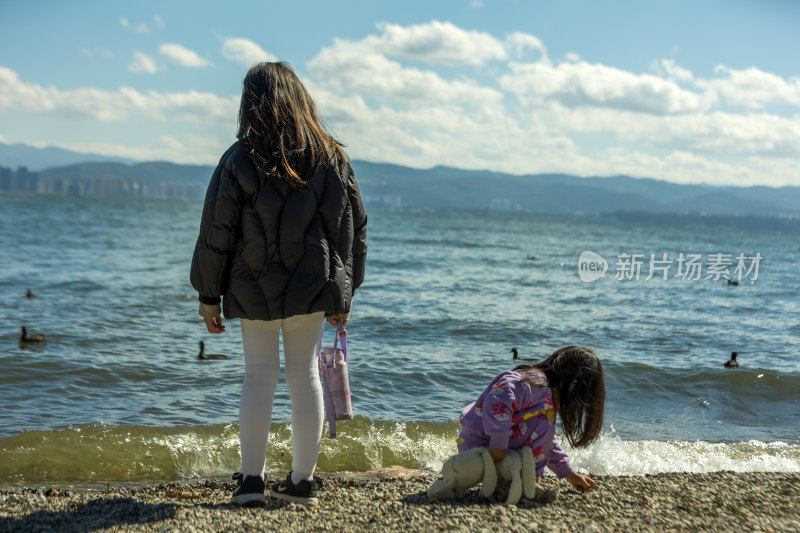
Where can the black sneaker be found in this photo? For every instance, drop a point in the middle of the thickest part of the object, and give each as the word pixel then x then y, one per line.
pixel 304 492
pixel 249 491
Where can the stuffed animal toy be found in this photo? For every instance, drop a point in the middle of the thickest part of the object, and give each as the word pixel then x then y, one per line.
pixel 467 469
pixel 518 467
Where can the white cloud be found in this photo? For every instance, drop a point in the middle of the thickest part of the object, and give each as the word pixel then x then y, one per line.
pixel 183 56
pixel 245 52
pixel 666 68
pixel 720 133
pixel 507 107
pixel 353 66
pixel 436 43
pixel 534 117
pixel 676 72
pixel 142 64
pixel 732 134
pixel 753 88
pixel 665 125
pixel 159 22
pixel 517 148
pixel 139 28
pixel 518 42
pixel 194 107
pixel 423 136
pixel 576 84
pixel 541 143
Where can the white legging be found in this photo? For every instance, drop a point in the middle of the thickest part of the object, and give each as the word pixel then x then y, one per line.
pixel 301 336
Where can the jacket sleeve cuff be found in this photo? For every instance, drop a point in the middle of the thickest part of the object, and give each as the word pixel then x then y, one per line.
pixel 498 441
pixel 210 300
pixel 563 471
pixel 209 311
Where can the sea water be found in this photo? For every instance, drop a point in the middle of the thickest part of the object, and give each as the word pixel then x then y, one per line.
pixel 118 395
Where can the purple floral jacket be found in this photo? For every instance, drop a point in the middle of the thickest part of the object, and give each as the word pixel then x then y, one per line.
pixel 511 414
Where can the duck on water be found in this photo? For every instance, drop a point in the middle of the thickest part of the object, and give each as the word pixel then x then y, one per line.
pixel 34 338
pixel 516 355
pixel 204 355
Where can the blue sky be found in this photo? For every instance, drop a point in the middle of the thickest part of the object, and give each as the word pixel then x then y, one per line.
pixel 690 92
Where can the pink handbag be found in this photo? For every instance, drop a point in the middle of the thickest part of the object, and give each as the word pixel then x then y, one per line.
pixel 335 381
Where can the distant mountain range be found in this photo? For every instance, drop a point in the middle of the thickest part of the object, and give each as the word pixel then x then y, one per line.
pixel 441 189
pixel 22 155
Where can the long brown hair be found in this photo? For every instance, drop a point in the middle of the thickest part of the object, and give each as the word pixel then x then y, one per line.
pixel 279 127
pixel 576 375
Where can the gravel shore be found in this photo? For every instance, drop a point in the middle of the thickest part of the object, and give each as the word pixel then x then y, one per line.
pixel 395 500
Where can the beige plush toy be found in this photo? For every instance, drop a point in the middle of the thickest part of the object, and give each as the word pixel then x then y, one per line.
pixel 467 469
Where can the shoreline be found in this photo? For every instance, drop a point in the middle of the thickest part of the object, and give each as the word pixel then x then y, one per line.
pixel 395 500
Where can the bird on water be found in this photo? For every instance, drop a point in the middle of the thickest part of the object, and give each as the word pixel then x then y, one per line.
pixel 732 363
pixel 35 338
pixel 204 355
pixel 516 355
pixel 30 294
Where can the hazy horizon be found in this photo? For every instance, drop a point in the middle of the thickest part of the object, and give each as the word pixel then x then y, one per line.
pixel 103 158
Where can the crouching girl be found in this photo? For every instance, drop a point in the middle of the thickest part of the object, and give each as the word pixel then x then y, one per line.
pixel 519 408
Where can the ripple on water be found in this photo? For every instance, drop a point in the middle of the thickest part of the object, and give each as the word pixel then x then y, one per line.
pixel 444 301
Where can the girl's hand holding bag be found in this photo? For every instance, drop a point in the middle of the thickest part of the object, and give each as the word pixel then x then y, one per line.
pixel 335 381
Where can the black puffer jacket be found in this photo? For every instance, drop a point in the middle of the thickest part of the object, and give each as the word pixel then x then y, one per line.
pixel 273 254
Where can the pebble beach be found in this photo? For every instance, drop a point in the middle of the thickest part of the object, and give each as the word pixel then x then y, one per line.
pixel 395 499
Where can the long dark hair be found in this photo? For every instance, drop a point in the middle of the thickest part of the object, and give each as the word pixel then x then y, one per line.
pixel 279 127
pixel 576 375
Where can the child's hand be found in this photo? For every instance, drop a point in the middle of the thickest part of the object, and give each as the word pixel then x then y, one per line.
pixel 214 324
pixel 580 482
pixel 334 320
pixel 497 453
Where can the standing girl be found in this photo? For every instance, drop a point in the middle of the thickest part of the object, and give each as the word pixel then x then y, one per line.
pixel 519 408
pixel 283 242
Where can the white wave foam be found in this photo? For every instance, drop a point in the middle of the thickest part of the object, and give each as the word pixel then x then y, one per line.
pixel 614 456
pixel 93 454
pixel 201 454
